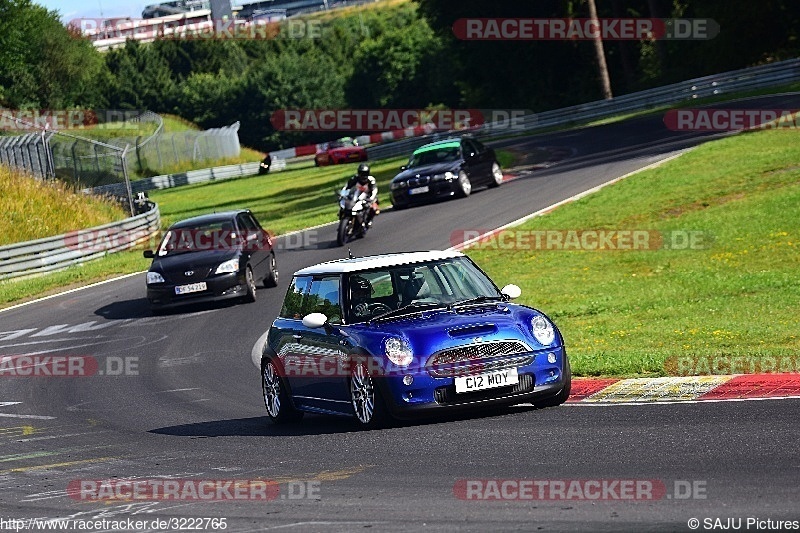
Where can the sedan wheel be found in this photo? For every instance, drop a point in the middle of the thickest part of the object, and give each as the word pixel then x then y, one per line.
pixel 275 398
pixel 272 278
pixel 464 185
pixel 251 286
pixel 366 400
pixel 497 175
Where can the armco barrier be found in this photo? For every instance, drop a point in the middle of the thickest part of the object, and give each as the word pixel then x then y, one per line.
pixel 62 251
pixel 770 75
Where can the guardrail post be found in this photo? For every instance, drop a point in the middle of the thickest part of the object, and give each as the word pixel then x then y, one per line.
pixel 127 178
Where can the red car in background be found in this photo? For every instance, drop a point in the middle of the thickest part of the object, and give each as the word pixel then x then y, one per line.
pixel 340 151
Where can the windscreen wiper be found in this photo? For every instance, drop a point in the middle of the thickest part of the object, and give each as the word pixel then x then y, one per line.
pixel 477 299
pixel 407 309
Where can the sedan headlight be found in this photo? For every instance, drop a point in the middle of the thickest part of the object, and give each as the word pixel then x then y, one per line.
pixel 398 351
pixel 154 277
pixel 228 266
pixel 399 185
pixel 449 176
pixel 542 330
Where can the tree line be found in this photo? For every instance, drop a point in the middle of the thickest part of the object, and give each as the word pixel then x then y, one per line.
pixel 398 55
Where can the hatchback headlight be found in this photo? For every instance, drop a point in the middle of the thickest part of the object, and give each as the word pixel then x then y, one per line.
pixel 399 185
pixel 398 351
pixel 542 330
pixel 154 277
pixel 228 266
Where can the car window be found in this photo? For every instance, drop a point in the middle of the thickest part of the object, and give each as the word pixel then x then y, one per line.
pixel 218 235
pixel 437 282
pixel 323 297
pixel 248 226
pixel 432 157
pixel 293 302
pixel 469 147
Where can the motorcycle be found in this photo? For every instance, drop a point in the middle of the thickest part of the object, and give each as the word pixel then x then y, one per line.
pixel 353 215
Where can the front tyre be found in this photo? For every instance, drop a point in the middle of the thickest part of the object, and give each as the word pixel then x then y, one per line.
pixel 463 185
pixel 497 175
pixel 276 400
pixel 366 399
pixel 272 278
pixel 563 394
pixel 250 280
pixel 345 227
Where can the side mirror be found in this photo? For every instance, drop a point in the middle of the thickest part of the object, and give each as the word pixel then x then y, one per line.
pixel 315 320
pixel 148 254
pixel 511 291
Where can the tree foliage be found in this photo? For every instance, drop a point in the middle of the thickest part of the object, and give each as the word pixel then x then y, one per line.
pixel 398 55
pixel 42 63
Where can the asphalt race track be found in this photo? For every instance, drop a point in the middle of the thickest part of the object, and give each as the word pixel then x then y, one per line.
pixel 177 396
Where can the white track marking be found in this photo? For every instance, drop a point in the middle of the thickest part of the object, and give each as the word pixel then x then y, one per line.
pixel 71 291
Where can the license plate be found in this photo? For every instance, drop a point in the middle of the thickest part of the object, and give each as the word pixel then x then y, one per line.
pixel 192 287
pixel 489 380
pixel 419 190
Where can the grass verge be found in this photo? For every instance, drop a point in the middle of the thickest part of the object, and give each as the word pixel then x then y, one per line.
pixel 632 313
pixel 33 209
pixel 283 202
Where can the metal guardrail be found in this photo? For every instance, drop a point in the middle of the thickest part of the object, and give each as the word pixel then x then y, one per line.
pixel 62 251
pixel 185 178
pixel 759 77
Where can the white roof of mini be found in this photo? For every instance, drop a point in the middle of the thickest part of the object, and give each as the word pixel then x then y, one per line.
pixel 357 264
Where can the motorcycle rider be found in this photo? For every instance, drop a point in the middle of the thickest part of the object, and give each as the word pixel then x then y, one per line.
pixel 367 184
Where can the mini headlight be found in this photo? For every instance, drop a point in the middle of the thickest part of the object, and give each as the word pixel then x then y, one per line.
pixel 231 265
pixel 398 351
pixel 154 277
pixel 542 330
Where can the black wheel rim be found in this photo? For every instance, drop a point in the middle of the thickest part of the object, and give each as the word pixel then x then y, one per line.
pixel 272 390
pixel 362 393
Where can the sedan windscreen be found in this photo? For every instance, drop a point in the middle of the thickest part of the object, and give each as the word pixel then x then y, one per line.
pixel 433 157
pixel 219 236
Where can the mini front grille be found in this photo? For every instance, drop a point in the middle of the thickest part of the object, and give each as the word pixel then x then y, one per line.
pixel 476 352
pixel 454 370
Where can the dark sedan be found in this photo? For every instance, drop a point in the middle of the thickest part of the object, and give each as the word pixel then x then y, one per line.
pixel 209 258
pixel 443 169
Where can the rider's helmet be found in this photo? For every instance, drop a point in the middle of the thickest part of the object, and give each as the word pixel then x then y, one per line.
pixel 362 175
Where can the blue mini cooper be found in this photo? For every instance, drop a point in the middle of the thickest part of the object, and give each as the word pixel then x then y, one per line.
pixel 407 334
